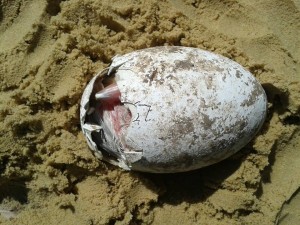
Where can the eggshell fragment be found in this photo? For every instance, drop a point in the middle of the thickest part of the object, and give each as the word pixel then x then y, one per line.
pixel 179 109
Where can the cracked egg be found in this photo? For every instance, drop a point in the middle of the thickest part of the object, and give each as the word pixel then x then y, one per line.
pixel 171 109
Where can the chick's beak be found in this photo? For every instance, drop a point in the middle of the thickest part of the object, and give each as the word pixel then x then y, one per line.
pixel 111 93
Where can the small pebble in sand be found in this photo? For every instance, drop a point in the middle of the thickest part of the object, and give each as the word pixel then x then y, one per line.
pixel 7 214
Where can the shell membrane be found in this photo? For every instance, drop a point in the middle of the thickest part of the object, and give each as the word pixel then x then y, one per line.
pixel 189 108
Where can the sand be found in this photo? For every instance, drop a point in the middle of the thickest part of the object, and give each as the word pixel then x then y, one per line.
pixel 49 50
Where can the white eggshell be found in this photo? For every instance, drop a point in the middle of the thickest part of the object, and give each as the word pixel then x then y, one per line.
pixel 190 108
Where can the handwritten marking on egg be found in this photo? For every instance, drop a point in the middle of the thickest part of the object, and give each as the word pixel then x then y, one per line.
pixel 171 109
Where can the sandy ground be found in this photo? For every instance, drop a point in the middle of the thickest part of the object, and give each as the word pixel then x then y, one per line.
pixel 49 50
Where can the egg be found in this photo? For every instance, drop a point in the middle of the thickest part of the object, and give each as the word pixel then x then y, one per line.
pixel 171 109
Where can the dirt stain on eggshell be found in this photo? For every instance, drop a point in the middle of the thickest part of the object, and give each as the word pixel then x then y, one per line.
pixel 49 50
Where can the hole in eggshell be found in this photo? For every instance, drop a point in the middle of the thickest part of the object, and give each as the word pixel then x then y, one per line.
pixel 108 81
pixel 111 110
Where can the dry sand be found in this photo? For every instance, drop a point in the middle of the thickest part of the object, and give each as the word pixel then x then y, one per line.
pixel 49 50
